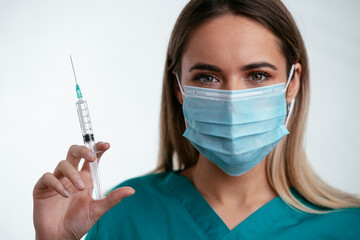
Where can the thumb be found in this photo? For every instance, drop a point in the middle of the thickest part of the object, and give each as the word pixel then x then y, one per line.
pixel 100 207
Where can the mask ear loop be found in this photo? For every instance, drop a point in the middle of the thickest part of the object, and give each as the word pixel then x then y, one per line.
pixel 183 93
pixel 290 77
pixel 178 81
pixel 290 109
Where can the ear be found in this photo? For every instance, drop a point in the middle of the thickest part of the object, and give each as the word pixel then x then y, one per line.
pixel 177 90
pixel 294 84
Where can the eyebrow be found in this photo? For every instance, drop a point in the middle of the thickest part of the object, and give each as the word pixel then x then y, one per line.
pixel 204 66
pixel 258 65
pixel 209 67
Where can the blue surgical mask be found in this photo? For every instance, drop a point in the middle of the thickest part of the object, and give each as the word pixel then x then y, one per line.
pixel 236 129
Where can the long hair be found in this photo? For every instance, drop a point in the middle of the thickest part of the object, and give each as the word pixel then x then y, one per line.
pixel 286 165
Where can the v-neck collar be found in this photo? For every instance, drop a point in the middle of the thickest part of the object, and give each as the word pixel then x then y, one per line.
pixel 212 225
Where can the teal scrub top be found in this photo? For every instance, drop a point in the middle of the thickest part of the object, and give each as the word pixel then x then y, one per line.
pixel 168 206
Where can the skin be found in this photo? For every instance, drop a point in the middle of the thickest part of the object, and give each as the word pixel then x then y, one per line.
pixel 229 43
pixel 63 206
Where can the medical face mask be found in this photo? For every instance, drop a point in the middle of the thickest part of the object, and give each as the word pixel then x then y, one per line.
pixel 236 129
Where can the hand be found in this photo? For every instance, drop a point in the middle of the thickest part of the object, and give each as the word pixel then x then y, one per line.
pixel 63 206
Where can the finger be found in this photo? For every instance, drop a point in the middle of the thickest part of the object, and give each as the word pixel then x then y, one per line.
pixel 66 169
pixel 100 207
pixel 101 147
pixel 48 180
pixel 77 152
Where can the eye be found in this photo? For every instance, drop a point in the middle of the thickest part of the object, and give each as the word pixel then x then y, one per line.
pixel 259 76
pixel 205 78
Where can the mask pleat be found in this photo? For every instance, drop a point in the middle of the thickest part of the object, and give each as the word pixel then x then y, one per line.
pixel 237 146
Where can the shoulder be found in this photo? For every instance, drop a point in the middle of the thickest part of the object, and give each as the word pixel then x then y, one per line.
pixel 336 224
pixel 346 218
pixel 345 214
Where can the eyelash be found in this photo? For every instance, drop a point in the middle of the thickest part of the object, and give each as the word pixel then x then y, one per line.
pixel 265 76
pixel 203 75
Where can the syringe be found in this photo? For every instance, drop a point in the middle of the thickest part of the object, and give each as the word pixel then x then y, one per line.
pixel 88 136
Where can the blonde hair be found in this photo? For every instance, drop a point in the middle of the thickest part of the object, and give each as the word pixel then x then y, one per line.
pixel 287 164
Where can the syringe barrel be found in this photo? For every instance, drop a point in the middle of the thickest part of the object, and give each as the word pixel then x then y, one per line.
pixel 85 122
pixel 95 172
pixel 89 141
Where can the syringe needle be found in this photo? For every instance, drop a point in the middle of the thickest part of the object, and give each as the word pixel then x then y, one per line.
pixel 78 91
pixel 72 64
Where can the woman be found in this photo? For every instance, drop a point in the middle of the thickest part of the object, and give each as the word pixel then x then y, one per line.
pixel 234 108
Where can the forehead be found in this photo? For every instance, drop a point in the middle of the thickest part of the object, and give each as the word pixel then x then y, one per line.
pixel 230 40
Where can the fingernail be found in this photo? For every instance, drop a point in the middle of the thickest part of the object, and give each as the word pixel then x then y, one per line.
pixel 67 194
pixel 90 156
pixel 80 184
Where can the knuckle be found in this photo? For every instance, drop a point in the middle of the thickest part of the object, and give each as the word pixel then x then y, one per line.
pixel 58 185
pixel 62 163
pixel 46 176
pixel 72 147
pixel 84 150
pixel 74 175
pixel 109 198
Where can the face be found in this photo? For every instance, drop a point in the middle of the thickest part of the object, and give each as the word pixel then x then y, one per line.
pixel 233 53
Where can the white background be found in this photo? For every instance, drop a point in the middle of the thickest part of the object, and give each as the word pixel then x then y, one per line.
pixel 119 50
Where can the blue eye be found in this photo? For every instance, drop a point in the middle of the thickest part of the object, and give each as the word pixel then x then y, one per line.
pixel 205 78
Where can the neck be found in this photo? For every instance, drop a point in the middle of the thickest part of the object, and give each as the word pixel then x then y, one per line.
pixel 251 188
